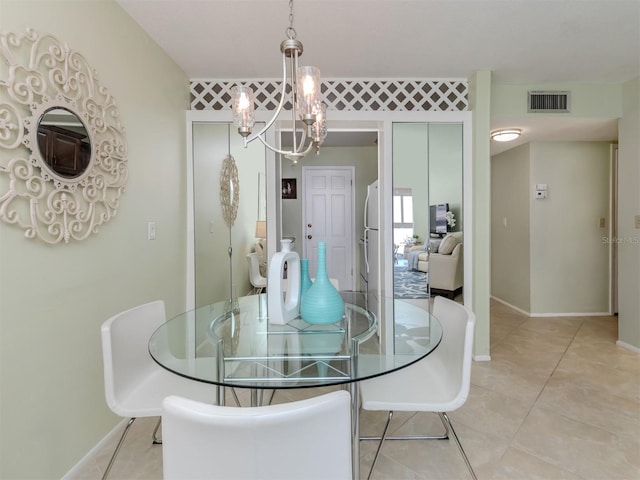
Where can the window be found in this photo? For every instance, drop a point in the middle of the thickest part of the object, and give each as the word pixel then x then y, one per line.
pixel 402 214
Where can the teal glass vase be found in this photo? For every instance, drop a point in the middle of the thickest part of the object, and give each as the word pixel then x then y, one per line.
pixel 305 280
pixel 322 304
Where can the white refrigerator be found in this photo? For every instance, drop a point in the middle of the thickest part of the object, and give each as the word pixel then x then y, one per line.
pixel 371 249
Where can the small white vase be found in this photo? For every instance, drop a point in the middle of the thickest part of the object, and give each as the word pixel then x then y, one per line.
pixel 283 294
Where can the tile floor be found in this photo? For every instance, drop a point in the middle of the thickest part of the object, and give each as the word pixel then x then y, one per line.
pixel 558 400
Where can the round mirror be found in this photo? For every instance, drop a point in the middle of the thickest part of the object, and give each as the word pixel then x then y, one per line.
pixel 64 143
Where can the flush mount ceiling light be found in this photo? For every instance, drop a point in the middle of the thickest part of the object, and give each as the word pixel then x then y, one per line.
pixel 308 113
pixel 505 135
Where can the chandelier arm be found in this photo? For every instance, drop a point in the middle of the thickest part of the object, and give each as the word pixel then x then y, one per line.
pixel 294 92
pixel 278 110
pixel 286 153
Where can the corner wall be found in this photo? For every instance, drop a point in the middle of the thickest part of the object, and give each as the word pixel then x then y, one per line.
pixel 54 298
pixel 480 104
pixel 628 209
pixel 569 257
pixel 510 227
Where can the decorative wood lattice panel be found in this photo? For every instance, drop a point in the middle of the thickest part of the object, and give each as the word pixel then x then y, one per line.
pixel 344 94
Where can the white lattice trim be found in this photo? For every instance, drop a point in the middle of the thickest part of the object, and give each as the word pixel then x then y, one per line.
pixel 344 94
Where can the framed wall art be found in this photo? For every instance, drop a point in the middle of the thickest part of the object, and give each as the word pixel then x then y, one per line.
pixel 289 188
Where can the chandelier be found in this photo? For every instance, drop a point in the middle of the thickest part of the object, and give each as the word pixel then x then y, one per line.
pixel 308 113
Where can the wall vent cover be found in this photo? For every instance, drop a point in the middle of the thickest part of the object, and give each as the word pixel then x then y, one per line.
pixel 548 101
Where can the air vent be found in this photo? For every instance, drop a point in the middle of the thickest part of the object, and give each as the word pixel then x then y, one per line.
pixel 548 101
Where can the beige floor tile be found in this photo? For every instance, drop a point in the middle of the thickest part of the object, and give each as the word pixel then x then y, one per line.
pixel 507 378
pixel 524 356
pixel 603 354
pixel 521 466
pixel 493 413
pixel 617 382
pixel 556 326
pixel 558 400
pixel 591 404
pixel 588 451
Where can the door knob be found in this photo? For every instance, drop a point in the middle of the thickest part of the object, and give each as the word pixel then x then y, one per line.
pixel 309 237
pixel 308 225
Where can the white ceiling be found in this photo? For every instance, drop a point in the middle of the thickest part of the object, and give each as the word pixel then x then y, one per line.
pixel 520 41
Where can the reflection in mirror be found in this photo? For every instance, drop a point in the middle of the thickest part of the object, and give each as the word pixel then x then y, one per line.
pixel 344 151
pixel 220 250
pixel 64 143
pixel 427 211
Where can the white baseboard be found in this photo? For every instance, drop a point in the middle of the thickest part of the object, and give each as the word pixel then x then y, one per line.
pixel 482 358
pixel 571 314
pixel 499 300
pixel 116 432
pixel 628 346
pixel 560 314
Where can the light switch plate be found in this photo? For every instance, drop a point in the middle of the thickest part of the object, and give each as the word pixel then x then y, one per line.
pixel 151 230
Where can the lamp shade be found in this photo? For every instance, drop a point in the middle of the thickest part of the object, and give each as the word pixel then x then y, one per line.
pixel 261 229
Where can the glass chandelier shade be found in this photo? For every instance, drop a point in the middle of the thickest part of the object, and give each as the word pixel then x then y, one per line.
pixel 320 126
pixel 244 116
pixel 308 95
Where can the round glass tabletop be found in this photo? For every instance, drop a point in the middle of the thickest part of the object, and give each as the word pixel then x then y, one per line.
pixel 241 349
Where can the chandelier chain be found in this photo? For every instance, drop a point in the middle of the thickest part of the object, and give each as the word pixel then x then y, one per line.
pixel 291 32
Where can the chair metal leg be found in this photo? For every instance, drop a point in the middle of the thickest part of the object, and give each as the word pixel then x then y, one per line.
pixel 115 453
pixel 156 440
pixel 235 397
pixel 445 418
pixel 273 393
pixel 382 438
pixel 448 430
pixel 444 436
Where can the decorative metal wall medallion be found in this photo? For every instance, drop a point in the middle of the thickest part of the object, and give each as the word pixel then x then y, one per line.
pixel 63 151
pixel 229 190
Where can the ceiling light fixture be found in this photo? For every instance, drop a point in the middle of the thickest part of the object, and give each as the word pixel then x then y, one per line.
pixel 505 135
pixel 308 113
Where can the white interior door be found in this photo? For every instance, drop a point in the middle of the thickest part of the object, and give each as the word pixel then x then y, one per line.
pixel 328 216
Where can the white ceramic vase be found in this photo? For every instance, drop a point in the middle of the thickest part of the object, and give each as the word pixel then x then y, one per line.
pixel 283 294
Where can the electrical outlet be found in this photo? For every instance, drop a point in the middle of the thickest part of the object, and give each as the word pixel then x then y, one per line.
pixel 602 222
pixel 151 230
pixel 540 194
pixel 637 221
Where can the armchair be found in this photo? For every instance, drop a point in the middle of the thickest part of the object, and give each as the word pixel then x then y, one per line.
pixel 443 264
pixel 446 274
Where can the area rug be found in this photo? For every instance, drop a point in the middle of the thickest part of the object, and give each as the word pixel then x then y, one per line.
pixel 409 283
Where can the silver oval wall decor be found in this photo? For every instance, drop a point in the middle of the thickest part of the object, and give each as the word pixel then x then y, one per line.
pixel 229 190
pixel 64 151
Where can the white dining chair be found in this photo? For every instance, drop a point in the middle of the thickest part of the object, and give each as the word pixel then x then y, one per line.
pixel 306 439
pixel 439 383
pixel 134 383
pixel 258 282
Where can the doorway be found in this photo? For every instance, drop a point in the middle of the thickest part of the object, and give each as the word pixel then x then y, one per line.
pixel 328 215
pixel 356 150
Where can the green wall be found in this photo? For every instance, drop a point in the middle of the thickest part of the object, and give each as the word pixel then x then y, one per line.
pixel 548 256
pixel 53 299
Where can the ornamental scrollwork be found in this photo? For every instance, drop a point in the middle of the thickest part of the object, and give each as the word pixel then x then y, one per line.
pixel 229 190
pixel 63 151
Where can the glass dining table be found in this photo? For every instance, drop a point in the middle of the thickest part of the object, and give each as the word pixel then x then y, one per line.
pixel 234 345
